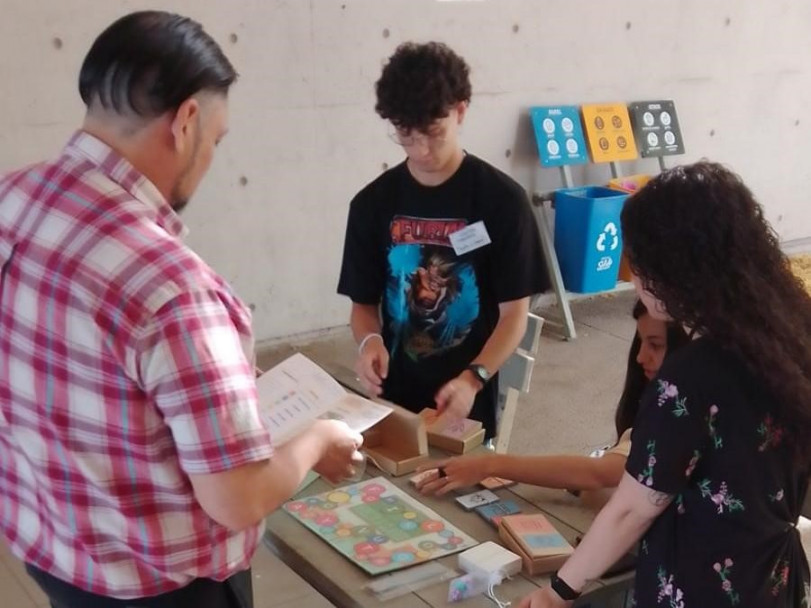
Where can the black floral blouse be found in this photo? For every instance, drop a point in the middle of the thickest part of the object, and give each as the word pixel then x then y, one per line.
pixel 707 433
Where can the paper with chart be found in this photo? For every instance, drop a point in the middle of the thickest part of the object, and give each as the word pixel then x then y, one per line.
pixel 296 392
pixel 378 526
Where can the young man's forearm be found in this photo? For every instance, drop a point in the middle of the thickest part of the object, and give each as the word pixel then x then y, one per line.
pixel 364 320
pixel 507 335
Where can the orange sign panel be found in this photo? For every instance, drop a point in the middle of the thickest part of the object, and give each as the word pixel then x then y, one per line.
pixel 608 132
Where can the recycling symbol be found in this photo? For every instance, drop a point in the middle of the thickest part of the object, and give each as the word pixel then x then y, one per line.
pixel 610 230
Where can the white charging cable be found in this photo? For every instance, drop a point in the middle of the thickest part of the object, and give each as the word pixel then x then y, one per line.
pixel 496 579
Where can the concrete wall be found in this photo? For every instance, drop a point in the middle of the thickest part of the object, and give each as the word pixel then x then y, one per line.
pixel 304 135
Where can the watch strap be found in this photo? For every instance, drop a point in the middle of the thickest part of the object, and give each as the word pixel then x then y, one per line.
pixel 562 588
pixel 480 371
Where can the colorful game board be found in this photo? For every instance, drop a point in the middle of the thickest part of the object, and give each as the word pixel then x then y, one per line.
pixel 378 526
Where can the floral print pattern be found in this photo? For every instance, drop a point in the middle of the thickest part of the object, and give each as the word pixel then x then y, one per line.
pixel 779 577
pixel 771 432
pixel 667 392
pixel 722 498
pixel 716 438
pixel 646 476
pixel 725 466
pixel 668 591
pixel 692 465
pixel 726 583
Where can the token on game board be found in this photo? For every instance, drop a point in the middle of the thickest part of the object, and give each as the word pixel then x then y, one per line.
pixel 420 477
pixel 494 483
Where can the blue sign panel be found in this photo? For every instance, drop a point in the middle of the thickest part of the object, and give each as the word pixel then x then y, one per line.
pixel 559 135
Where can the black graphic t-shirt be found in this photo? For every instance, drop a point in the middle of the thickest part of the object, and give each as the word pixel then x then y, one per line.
pixel 439 308
pixel 708 433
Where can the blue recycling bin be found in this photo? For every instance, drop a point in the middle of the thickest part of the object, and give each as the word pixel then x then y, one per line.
pixel 588 239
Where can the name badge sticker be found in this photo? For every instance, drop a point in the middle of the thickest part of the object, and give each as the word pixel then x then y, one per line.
pixel 469 238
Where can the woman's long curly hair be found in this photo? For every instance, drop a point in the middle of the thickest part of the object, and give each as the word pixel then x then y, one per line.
pixel 697 238
pixel 635 379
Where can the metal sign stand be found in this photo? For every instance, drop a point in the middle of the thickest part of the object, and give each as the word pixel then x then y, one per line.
pixel 551 256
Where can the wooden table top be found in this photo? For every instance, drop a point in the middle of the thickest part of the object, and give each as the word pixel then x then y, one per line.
pixel 342 582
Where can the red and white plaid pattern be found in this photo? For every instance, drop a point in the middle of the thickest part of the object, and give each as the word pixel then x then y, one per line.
pixel 122 369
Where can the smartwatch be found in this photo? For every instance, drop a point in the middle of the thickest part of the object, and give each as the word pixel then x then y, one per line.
pixel 480 372
pixel 562 589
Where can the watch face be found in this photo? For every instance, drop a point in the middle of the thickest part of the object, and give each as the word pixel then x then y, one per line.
pixel 481 372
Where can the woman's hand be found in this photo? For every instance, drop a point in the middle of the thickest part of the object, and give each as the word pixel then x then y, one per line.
pixel 544 598
pixel 457 473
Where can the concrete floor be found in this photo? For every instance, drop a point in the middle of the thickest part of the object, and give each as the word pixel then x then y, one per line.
pixel 569 409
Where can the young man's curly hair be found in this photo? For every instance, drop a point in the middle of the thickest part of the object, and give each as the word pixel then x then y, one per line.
pixel 697 238
pixel 420 83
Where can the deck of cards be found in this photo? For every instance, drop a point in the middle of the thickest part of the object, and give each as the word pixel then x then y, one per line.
pixel 494 512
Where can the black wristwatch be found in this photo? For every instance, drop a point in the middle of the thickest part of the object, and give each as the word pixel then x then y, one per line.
pixel 562 589
pixel 480 371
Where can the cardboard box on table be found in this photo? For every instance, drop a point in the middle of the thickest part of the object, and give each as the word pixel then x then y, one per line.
pixel 541 547
pixel 398 444
pixel 456 437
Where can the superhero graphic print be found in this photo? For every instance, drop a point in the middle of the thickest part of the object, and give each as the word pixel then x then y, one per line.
pixel 432 297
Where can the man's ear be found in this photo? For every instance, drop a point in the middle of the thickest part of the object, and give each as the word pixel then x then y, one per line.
pixel 184 124
pixel 461 109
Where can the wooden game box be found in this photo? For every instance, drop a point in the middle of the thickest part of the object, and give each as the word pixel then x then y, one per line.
pixel 398 444
pixel 541 547
pixel 456 437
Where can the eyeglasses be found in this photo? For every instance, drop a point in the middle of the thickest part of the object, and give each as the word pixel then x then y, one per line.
pixel 407 140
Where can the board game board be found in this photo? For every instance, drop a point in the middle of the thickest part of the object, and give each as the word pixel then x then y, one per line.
pixel 378 526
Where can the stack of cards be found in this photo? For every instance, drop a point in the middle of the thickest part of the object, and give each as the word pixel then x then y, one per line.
pixel 494 512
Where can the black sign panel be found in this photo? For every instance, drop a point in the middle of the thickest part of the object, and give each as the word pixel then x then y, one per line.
pixel 656 128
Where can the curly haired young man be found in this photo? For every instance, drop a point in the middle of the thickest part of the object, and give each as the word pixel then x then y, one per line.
pixel 441 253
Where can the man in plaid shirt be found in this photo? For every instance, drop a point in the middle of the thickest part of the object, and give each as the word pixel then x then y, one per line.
pixel 134 467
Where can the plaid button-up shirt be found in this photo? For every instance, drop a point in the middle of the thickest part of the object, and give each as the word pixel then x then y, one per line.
pixel 123 368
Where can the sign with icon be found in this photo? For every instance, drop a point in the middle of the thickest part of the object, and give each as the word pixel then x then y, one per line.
pixel 656 128
pixel 609 134
pixel 559 135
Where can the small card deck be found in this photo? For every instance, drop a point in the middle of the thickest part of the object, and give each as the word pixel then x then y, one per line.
pixel 476 499
pixel 493 512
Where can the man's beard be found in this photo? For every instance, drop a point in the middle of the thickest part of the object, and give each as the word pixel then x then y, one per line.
pixel 178 200
pixel 178 204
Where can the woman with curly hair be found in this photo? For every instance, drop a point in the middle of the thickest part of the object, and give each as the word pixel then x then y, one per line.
pixel 720 459
pixel 594 479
